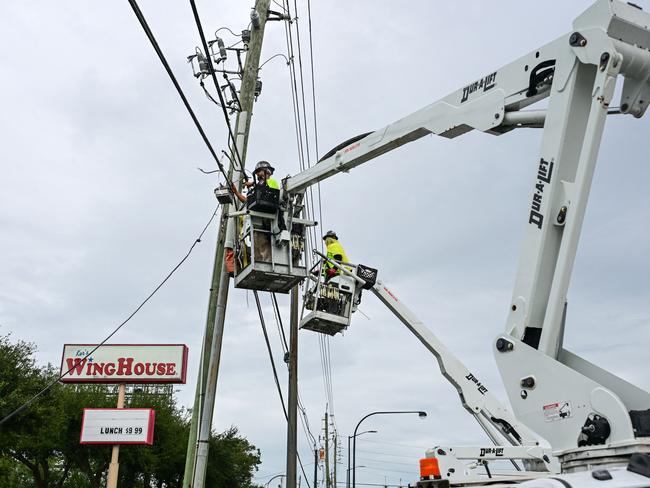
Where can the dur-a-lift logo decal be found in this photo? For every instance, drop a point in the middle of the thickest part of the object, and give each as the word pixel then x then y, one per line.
pixel 544 174
pixel 486 83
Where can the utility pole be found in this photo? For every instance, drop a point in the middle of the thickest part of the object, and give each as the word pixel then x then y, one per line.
pixel 292 407
pixel 347 472
pixel 328 481
pixel 205 353
pixel 201 426
pixel 335 457
pixel 315 466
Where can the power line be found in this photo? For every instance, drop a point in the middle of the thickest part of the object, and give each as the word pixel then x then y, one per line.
pixel 302 145
pixel 385 462
pixel 208 95
pixel 278 321
pixel 301 127
pixel 383 469
pixel 313 97
pixel 163 60
pixel 268 347
pixel 285 349
pixel 275 371
pixel 382 485
pixel 304 155
pixel 393 444
pixel 313 84
pixel 385 453
pixel 197 19
pixel 137 309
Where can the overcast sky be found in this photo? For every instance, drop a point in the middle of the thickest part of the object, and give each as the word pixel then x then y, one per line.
pixel 100 197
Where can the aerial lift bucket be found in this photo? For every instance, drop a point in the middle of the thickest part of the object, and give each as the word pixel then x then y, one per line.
pixel 330 305
pixel 268 255
pixel 331 302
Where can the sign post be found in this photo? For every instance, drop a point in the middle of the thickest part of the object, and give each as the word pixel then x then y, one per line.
pixel 114 467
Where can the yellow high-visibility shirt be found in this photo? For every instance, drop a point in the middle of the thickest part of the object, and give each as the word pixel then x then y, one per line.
pixel 271 183
pixel 334 248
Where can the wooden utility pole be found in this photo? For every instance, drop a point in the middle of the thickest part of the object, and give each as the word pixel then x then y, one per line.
pixel 328 482
pixel 292 407
pixel 336 456
pixel 205 354
pixel 197 449
pixel 315 466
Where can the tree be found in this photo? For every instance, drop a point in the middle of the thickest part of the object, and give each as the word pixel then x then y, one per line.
pixel 34 438
pixel 40 447
pixel 231 460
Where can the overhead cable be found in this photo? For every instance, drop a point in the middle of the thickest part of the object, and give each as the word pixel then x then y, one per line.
pixel 304 153
pixel 199 27
pixel 313 97
pixel 301 121
pixel 137 309
pixel 285 349
pixel 275 371
pixel 163 60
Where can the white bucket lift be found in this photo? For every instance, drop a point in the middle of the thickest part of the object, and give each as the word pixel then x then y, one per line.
pixel 332 302
pixel 270 244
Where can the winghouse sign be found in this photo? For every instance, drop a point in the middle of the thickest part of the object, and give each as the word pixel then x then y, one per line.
pixel 124 363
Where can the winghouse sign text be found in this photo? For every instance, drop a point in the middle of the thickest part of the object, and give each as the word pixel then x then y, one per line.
pixel 120 363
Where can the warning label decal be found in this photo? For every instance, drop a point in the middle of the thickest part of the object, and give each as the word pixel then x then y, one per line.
pixel 557 411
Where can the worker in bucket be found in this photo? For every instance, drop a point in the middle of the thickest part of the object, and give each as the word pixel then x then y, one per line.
pixel 261 176
pixel 335 252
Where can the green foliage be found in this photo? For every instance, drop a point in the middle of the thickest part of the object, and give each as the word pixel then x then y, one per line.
pixel 40 446
pixel 237 460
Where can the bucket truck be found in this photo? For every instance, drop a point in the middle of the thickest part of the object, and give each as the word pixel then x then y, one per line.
pixel 590 417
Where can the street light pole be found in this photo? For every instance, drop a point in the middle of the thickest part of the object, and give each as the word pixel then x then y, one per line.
pixel 347 474
pixel 347 471
pixel 420 413
pixel 268 483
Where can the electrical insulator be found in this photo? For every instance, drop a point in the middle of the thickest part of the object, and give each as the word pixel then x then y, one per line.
pixel 204 66
pixel 258 88
pixel 222 49
pixel 255 19
pixel 246 36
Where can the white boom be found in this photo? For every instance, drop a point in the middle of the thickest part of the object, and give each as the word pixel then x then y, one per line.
pixel 495 419
pixel 575 405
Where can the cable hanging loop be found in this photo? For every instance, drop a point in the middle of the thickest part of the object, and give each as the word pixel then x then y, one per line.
pixel 272 57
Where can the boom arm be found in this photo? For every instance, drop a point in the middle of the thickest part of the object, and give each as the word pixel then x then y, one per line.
pixel 494 102
pixel 486 104
pixel 495 419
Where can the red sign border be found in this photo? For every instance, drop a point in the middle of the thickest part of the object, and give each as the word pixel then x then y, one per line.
pixel 68 379
pixel 150 426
